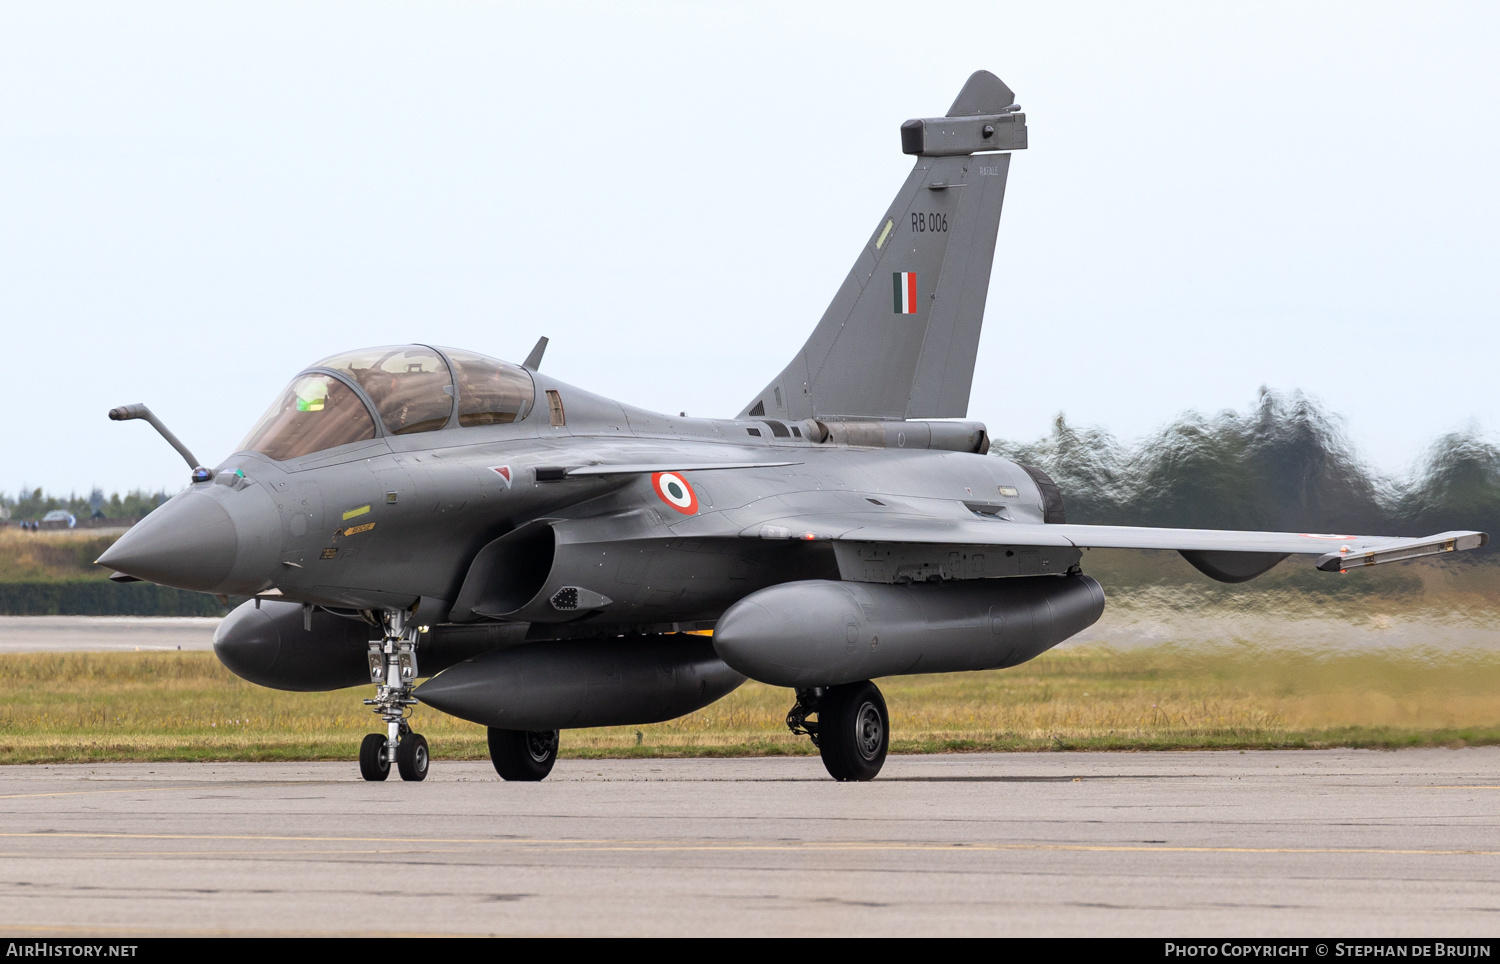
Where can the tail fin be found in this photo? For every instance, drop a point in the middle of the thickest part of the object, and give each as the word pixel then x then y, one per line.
pixel 900 337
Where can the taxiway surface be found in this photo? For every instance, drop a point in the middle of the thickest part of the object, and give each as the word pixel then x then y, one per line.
pixel 1170 844
pixel 104 634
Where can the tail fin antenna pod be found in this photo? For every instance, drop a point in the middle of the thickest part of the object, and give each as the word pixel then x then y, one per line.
pixel 900 337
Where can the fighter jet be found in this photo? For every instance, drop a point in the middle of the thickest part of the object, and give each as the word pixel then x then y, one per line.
pixel 558 559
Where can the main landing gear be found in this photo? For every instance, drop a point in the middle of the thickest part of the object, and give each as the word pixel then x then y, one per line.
pixel 523 754
pixel 852 731
pixel 393 669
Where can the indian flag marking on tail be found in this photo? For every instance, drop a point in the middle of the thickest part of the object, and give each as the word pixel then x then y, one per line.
pixel 904 287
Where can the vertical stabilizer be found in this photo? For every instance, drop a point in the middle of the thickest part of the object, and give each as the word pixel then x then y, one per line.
pixel 900 337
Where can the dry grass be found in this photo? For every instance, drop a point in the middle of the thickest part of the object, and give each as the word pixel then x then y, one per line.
pixel 55 555
pixel 185 706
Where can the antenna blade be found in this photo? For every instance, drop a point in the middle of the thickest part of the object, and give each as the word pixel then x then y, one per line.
pixel 533 361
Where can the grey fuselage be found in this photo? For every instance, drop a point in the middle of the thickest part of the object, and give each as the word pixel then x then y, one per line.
pixel 301 529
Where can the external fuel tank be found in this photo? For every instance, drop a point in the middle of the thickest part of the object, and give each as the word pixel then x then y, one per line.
pixel 823 633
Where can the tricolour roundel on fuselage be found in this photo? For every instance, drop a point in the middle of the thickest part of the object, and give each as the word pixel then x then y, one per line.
pixel 675 492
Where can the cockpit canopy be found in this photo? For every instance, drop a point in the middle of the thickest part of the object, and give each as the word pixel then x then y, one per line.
pixel 395 390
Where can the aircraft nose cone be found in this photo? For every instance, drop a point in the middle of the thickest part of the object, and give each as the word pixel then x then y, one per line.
pixel 190 543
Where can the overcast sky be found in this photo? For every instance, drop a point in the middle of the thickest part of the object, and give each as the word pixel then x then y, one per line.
pixel 197 200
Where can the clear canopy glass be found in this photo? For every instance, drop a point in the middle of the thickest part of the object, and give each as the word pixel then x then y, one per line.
pixel 316 412
pixel 412 390
pixel 490 391
pixel 409 384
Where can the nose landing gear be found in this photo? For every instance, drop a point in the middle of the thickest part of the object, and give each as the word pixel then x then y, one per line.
pixel 393 668
pixel 852 731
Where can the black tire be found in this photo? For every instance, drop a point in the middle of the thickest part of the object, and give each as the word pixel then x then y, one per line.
pixel 412 758
pixel 523 754
pixel 372 763
pixel 854 731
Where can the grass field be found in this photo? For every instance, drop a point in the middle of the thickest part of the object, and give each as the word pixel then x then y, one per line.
pixel 54 555
pixel 79 707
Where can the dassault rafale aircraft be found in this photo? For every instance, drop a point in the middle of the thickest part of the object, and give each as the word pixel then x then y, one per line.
pixel 556 559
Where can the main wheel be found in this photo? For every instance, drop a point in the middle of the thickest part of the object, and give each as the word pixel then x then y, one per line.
pixel 523 754
pixel 372 762
pixel 412 758
pixel 854 731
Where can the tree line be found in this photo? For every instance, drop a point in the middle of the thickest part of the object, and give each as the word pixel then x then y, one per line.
pixel 1286 465
pixel 31 506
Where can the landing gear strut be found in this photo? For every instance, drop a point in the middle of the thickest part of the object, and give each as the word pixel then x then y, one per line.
pixel 393 670
pixel 852 731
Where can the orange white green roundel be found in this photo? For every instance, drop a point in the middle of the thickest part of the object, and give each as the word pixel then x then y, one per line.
pixel 675 492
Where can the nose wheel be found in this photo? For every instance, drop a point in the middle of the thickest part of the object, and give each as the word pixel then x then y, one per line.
pixel 393 668
pixel 412 758
pixel 852 731
pixel 373 763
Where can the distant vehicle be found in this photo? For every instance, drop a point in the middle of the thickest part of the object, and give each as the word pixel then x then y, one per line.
pixel 60 518
pixel 550 552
